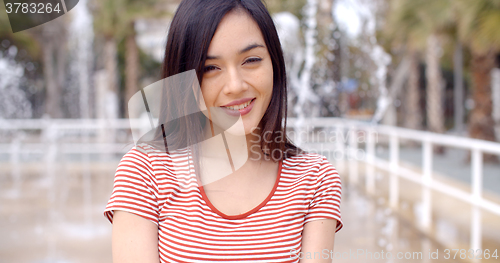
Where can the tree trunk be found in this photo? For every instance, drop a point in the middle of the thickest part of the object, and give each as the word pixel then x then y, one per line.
pixel 131 69
pixel 458 87
pixel 61 74
pixel 495 86
pixel 53 41
pixel 435 116
pixel 413 116
pixel 481 124
pixel 53 94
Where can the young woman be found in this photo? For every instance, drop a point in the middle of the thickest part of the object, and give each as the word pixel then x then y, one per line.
pixel 281 205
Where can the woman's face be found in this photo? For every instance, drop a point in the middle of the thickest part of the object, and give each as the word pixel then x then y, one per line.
pixel 238 72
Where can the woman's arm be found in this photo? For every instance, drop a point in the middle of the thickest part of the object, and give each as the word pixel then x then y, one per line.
pixel 317 241
pixel 134 239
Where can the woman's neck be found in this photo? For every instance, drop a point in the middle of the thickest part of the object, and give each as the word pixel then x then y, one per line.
pixel 236 144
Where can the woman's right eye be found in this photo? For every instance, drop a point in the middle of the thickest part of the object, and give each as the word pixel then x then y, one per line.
pixel 209 68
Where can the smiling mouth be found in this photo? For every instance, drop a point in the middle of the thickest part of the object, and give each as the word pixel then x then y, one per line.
pixel 240 106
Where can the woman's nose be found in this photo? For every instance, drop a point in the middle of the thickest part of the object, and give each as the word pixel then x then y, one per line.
pixel 234 82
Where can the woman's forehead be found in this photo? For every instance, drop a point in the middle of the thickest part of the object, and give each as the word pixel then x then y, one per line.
pixel 236 31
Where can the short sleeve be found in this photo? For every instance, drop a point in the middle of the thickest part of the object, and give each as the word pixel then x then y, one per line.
pixel 135 188
pixel 325 203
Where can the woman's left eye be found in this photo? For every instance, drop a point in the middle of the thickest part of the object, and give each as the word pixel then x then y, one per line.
pixel 209 68
pixel 252 60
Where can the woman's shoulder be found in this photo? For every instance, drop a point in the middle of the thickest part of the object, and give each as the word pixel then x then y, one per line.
pixel 154 160
pixel 309 163
pixel 136 156
pixel 159 170
pixel 151 153
pixel 306 158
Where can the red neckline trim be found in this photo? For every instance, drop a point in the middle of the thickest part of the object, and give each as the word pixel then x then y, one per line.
pixel 253 210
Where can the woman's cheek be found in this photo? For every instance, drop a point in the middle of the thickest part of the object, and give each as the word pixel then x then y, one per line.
pixel 208 94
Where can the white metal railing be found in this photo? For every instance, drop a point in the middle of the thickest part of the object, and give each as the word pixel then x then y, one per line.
pixel 347 149
pixel 48 139
pixel 51 130
pixel 425 179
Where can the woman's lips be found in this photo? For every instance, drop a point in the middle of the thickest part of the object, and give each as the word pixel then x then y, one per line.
pixel 241 112
pixel 238 102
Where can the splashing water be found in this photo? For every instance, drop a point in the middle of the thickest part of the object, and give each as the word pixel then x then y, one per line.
pixel 13 101
pixel 296 56
pixel 352 14
pixel 305 92
pixel 81 38
pixel 381 59
pixel 288 27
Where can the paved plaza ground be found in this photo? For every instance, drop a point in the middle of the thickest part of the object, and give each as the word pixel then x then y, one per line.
pixel 57 217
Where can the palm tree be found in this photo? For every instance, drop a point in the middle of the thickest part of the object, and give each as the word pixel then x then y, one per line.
pixel 421 26
pixel 403 29
pixel 114 20
pixel 137 9
pixel 131 66
pixel 435 85
pixel 476 25
pixel 50 41
pixel 108 23
pixel 478 28
pixel 413 118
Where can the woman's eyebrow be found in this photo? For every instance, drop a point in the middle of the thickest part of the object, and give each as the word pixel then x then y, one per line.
pixel 212 57
pixel 248 48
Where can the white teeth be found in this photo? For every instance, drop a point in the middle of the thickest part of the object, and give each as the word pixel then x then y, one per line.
pixel 239 107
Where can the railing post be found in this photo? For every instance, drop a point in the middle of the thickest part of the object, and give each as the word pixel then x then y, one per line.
pixel 353 149
pixel 477 188
pixel 427 180
pixel 87 178
pixel 370 158
pixel 15 152
pixel 394 164
pixel 50 135
pixel 340 148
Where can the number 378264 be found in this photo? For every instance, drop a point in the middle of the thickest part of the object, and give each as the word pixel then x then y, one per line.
pixel 33 8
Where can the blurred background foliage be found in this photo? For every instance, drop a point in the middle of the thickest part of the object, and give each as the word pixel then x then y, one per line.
pixel 442 54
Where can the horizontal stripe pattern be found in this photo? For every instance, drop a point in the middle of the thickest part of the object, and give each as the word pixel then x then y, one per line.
pixel 163 188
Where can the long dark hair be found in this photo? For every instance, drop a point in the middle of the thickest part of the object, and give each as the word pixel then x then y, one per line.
pixel 189 37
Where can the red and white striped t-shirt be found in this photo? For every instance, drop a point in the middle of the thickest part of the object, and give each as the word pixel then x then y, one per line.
pixel 190 229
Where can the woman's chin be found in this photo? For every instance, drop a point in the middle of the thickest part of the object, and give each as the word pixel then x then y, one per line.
pixel 235 130
pixel 242 130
